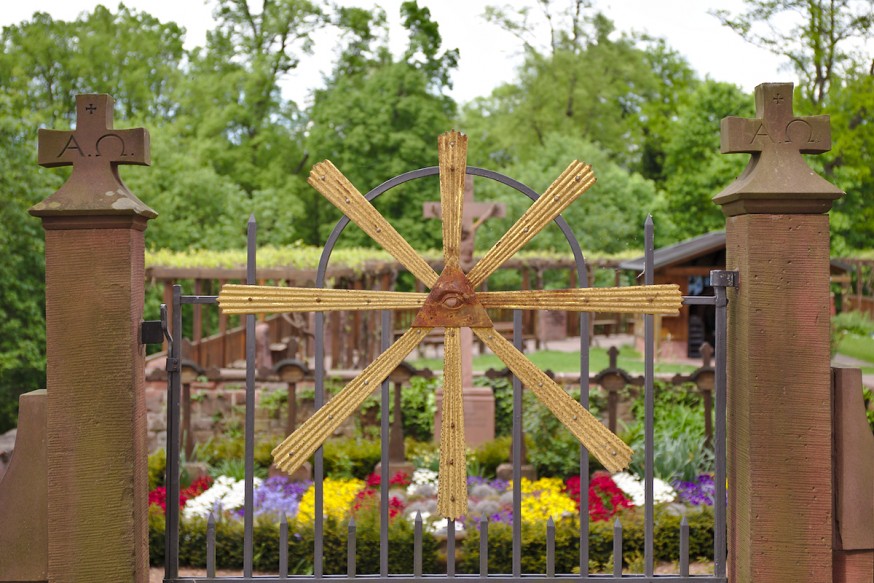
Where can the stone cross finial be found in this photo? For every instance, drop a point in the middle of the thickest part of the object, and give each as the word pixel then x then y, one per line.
pixel 94 150
pixel 777 179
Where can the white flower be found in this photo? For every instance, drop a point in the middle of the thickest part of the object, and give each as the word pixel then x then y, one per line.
pixel 442 526
pixel 633 488
pixel 225 494
pixel 423 483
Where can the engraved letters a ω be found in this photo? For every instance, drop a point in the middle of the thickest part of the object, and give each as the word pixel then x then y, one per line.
pixel 73 144
pixel 796 131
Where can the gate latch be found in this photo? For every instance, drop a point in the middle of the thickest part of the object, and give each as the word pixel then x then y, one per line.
pixel 723 278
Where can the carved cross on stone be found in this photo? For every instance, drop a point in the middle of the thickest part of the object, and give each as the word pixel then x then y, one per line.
pixel 94 150
pixel 474 214
pixel 777 179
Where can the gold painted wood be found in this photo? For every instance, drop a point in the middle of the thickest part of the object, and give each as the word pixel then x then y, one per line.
pixel 573 182
pixel 452 493
pixel 650 299
pixel 335 187
pixel 300 445
pixel 257 299
pixel 600 441
pixel 452 153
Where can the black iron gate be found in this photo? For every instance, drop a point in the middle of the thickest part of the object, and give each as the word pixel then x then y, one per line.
pixel 720 280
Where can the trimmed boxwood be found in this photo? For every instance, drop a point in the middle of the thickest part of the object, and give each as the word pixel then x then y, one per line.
pixel 229 544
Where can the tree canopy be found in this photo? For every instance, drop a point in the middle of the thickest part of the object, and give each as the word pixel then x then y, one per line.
pixel 226 143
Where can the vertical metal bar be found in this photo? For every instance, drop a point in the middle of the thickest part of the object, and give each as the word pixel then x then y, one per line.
pixel 617 548
pixel 719 538
pixel 649 404
pixel 684 547
pixel 484 547
pixel 171 536
pixel 417 545
pixel 550 548
pixel 283 547
pixel 518 342
pixel 249 486
pixel 384 342
pixel 351 546
pixel 318 461
pixel 450 547
pixel 583 278
pixel 210 546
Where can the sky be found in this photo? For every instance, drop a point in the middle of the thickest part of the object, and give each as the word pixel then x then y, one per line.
pixel 489 56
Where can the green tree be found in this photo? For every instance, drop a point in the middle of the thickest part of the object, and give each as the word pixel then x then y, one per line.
pixel 381 120
pixel 609 217
pixel 129 54
pixel 614 90
pixel 821 38
pixel 22 271
pixel 694 169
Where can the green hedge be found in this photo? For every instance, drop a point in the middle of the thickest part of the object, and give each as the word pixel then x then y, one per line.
pixel 229 544
pixel 567 543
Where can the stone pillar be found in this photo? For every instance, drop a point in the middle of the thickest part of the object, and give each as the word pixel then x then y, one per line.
pixel 779 397
pixel 96 412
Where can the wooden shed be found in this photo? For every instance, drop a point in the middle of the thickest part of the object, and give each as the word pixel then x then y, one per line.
pixel 688 264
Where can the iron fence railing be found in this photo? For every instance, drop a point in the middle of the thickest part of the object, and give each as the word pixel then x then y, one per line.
pixel 720 280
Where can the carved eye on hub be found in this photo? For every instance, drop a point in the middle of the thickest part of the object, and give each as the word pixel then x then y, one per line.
pixel 452 300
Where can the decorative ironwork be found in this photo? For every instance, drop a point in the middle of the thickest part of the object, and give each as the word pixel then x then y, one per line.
pixel 452 303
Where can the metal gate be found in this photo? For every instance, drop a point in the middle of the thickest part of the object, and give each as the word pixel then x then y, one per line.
pixel 719 281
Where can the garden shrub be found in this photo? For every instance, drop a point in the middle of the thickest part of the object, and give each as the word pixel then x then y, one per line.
pixel 666 546
pixel 491 454
pixel 351 457
pixel 157 464
pixel 229 545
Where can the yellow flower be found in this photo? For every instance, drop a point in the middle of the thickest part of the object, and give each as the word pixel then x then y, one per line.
pixel 339 495
pixel 545 498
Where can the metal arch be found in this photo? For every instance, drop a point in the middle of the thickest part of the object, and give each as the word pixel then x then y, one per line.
pixel 580 261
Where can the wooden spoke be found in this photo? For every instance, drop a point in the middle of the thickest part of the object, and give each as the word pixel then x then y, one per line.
pixel 649 299
pixel 300 445
pixel 573 182
pixel 256 299
pixel 452 153
pixel 452 492
pixel 600 441
pixel 335 187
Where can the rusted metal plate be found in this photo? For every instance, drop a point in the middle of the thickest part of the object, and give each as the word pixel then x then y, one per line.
pixel 452 303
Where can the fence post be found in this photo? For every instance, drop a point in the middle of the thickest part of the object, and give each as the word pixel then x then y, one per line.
pixel 779 398
pixel 96 413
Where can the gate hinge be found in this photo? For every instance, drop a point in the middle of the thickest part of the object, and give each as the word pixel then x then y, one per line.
pixel 151 332
pixel 172 364
pixel 723 278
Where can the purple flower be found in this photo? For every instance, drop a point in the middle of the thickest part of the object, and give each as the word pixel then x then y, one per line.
pixel 278 495
pixel 701 492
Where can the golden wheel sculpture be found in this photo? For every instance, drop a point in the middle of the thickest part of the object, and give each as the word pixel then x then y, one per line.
pixel 452 303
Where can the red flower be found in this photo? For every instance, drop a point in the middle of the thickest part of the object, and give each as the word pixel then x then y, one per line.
pixel 605 497
pixel 158 496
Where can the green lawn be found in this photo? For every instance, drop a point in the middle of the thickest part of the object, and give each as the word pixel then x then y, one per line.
pixel 861 347
pixel 629 359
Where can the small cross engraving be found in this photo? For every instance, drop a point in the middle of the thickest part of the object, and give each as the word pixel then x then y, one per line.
pixel 775 126
pixel 94 150
pixel 777 179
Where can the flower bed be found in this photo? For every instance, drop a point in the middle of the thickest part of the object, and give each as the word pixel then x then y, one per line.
pixel 411 496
